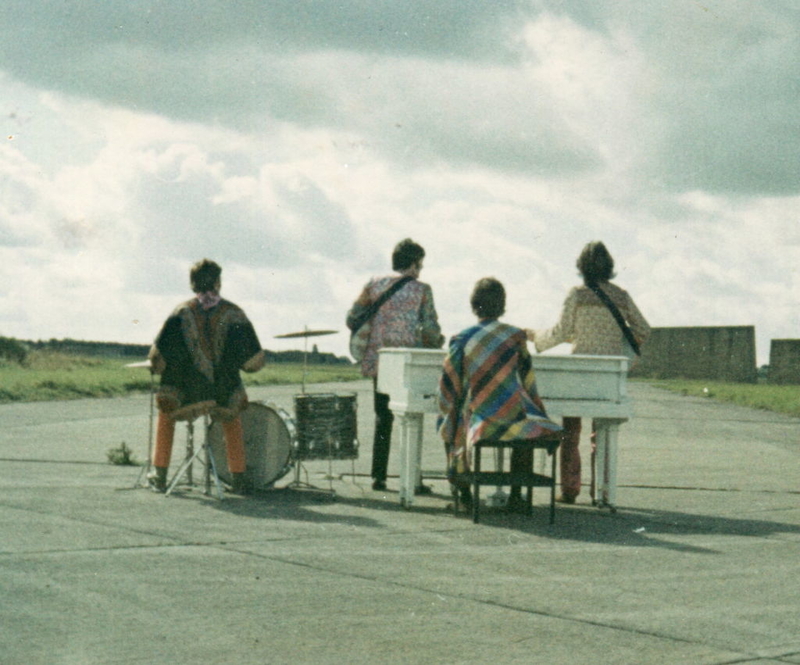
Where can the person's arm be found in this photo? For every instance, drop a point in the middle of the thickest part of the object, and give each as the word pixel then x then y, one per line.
pixel 242 348
pixel 157 362
pixel 638 324
pixel 250 342
pixel 430 332
pixel 563 331
pixel 168 347
pixel 449 394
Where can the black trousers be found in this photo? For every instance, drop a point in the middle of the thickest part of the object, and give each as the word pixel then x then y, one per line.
pixel 384 418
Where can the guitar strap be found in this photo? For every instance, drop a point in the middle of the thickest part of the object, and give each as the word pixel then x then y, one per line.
pixel 617 316
pixel 374 307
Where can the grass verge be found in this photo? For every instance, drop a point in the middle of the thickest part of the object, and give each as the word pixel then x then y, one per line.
pixel 780 399
pixel 53 376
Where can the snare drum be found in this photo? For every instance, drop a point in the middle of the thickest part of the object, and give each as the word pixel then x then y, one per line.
pixel 269 437
pixel 326 426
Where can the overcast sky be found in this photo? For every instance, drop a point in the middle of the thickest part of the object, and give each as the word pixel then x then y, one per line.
pixel 296 141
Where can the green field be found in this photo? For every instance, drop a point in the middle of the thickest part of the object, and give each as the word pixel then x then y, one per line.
pixel 53 376
pixel 781 399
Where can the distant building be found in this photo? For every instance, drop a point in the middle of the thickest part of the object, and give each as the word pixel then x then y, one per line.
pixel 784 362
pixel 722 353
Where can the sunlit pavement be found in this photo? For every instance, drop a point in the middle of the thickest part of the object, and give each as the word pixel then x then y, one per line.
pixel 700 564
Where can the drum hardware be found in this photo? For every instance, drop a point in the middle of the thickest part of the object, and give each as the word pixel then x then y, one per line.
pixel 326 429
pixel 186 467
pixel 305 334
pixel 193 455
pixel 141 481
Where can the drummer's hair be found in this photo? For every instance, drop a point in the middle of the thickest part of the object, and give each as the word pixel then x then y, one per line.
pixel 406 253
pixel 204 275
pixel 488 299
pixel 595 264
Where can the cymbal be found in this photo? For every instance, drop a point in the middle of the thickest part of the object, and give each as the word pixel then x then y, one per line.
pixel 306 333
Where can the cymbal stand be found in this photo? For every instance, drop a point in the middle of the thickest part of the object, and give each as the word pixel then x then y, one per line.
pixel 193 455
pixel 298 484
pixel 141 481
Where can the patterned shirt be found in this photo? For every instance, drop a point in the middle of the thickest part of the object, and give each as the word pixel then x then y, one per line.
pixel 591 328
pixel 488 390
pixel 407 319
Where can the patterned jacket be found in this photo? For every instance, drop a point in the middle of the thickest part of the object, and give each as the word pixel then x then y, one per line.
pixel 590 327
pixel 407 319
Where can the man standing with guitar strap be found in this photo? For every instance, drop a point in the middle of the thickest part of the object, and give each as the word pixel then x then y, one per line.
pixel 407 318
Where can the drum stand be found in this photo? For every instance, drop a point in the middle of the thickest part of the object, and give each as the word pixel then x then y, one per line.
pixel 298 484
pixel 193 455
pixel 141 481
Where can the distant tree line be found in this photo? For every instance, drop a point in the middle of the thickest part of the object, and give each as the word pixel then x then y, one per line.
pixel 13 350
pixel 17 351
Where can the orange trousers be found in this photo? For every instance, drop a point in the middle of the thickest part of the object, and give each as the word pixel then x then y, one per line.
pixel 231 430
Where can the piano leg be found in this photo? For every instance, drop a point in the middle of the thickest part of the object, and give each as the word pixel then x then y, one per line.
pixel 607 435
pixel 410 425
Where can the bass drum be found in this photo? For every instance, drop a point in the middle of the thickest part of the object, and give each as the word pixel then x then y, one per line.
pixel 269 437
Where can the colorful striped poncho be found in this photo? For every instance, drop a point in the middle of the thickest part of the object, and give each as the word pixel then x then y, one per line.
pixel 488 390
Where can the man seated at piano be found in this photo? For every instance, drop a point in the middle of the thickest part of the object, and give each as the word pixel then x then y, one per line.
pixel 488 390
pixel 593 329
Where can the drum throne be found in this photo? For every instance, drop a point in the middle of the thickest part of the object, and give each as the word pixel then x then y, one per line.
pixel 193 454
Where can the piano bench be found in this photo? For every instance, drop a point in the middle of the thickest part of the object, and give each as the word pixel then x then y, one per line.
pixel 528 479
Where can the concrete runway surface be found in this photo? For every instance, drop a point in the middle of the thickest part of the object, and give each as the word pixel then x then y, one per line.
pixel 700 564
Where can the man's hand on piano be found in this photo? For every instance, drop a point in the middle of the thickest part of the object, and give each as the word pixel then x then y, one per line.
pixel 530 334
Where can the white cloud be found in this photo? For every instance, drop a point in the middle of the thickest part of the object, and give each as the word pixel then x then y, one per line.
pixel 297 151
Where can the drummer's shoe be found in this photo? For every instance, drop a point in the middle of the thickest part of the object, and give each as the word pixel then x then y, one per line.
pixel 379 485
pixel 423 490
pixel 565 498
pixel 240 484
pixel 157 479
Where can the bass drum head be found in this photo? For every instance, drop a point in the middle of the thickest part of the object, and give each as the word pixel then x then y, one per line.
pixel 269 436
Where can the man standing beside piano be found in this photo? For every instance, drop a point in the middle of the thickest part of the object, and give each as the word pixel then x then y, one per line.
pixel 392 311
pixel 598 318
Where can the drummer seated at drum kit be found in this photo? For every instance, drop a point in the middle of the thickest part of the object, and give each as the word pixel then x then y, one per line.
pixel 199 352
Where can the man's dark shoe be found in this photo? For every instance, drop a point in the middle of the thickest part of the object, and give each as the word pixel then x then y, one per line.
pixel 240 484
pixel 516 504
pixel 461 497
pixel 421 490
pixel 379 485
pixel 157 479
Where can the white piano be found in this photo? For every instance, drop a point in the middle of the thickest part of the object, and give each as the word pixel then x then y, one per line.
pixel 574 385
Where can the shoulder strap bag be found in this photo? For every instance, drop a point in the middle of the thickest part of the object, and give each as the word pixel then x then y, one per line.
pixel 626 331
pixel 361 326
